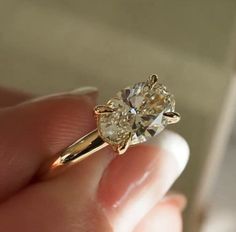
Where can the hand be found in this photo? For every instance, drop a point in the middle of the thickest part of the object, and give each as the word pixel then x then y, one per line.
pixel 101 194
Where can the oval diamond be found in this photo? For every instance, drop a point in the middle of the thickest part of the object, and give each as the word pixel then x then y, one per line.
pixel 137 113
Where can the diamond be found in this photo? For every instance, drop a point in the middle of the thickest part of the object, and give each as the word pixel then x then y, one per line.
pixel 136 113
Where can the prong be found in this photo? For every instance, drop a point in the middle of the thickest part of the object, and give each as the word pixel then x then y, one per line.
pixel 152 80
pixel 121 149
pixel 172 117
pixel 102 109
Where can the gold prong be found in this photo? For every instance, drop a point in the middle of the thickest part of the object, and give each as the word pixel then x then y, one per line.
pixel 172 117
pixel 152 80
pixel 122 148
pixel 102 109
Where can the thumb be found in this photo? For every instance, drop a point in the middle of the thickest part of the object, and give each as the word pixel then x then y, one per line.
pixel 67 202
pixel 63 203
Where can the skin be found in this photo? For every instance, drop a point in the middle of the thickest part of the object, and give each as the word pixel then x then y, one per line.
pixel 84 197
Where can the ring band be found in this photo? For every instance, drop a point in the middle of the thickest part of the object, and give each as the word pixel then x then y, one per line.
pixel 133 116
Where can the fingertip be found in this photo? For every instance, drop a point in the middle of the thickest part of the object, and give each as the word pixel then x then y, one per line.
pixel 174 144
pixel 134 183
pixel 165 216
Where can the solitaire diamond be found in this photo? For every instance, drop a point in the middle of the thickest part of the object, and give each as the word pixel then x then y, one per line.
pixel 136 113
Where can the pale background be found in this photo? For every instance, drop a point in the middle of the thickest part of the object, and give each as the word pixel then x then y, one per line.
pixel 56 45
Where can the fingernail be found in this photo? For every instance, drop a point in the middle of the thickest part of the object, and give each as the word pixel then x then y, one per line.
pixel 177 199
pixel 84 90
pixel 174 144
pixel 134 183
pixel 87 91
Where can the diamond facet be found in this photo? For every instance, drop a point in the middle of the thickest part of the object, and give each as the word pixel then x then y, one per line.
pixel 137 113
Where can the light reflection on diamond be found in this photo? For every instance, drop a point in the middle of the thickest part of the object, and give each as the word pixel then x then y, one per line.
pixel 138 111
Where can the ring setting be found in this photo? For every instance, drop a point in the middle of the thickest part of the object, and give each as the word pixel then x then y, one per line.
pixel 134 115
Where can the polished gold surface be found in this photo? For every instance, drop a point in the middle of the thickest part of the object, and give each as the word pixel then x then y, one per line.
pixel 122 148
pixel 172 117
pixel 79 150
pixel 102 109
pixel 152 80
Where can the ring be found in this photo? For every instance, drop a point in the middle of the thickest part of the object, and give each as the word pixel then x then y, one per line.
pixel 133 116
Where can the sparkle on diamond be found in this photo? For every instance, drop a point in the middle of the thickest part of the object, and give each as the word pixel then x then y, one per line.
pixel 138 112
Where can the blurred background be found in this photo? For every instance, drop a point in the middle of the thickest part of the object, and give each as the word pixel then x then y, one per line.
pixel 48 46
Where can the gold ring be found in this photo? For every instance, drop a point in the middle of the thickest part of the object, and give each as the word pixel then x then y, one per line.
pixel 133 116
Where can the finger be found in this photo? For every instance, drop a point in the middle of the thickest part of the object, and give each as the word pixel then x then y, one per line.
pixel 165 216
pixel 134 183
pixel 63 204
pixel 10 97
pixel 75 199
pixel 33 131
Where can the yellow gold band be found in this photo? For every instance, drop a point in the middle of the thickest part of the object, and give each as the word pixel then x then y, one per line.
pixel 79 150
